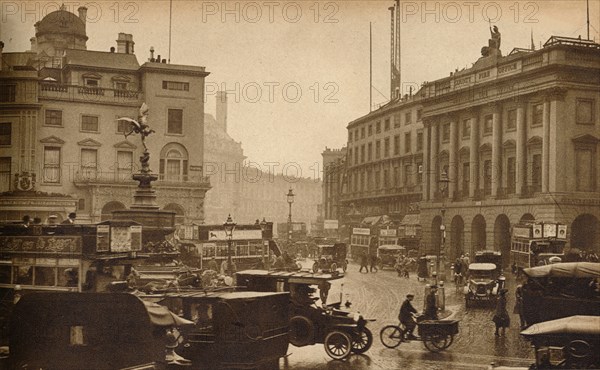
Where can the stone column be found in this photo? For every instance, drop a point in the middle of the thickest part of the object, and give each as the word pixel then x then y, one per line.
pixel 426 160
pixel 453 158
pixel 496 149
pixel 433 159
pixel 521 150
pixel 546 145
pixel 474 155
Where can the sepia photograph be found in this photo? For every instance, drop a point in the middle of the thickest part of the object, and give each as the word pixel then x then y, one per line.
pixel 299 185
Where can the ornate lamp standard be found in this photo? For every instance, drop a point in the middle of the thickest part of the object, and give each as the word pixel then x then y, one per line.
pixel 290 200
pixel 443 182
pixel 229 226
pixel 263 227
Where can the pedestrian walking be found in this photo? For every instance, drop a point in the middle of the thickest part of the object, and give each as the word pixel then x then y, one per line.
pixel 373 261
pixel 501 318
pixel 518 309
pixel 431 309
pixel 364 263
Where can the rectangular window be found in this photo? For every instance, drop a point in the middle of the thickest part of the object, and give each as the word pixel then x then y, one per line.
pixel 419 114
pixel 377 179
pixel 123 127
pixel 397 145
pixel 407 143
pixel 536 172
pixel 349 136
pixel 92 82
pixel 7 93
pixel 466 128
pixel 397 120
pixel 81 204
pixel 407 173
pixel 356 157
pixel 585 111
pixel 487 177
pixel 488 124
pixel 538 115
pixel 362 132
pixel 362 181
pixel 446 133
pixel 396 176
pixel 175 121
pixel 370 152
pixel 378 127
pixel 362 153
pixel 511 123
pixel 407 118
pixel 51 165
pixel 386 147
pixel 370 130
pixel 466 176
pixel 386 126
pixel 89 163
pixel 5 133
pixel 53 117
pixel 5 168
pixel 350 157
pixel 377 149
pixel 584 170
pixel 419 141
pixel 174 85
pixel 511 175
pixel 386 180
pixel 124 165
pixel 89 123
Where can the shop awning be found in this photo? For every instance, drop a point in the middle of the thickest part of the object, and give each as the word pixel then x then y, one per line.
pixel 410 219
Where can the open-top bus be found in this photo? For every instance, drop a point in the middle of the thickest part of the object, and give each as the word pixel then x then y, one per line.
pixel 534 244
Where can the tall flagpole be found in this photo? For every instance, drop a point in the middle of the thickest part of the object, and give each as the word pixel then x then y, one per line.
pixel 170 17
pixel 588 19
pixel 370 69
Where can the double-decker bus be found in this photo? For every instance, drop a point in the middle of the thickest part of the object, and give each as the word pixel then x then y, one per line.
pixel 199 244
pixel 534 244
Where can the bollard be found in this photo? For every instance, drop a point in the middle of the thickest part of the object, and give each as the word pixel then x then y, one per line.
pixel 441 296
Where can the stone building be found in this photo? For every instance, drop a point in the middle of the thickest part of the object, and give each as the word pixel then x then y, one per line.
pixel 59 105
pixel 516 137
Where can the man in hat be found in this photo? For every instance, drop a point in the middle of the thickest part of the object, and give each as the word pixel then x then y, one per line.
pixel 431 304
pixel 71 219
pixel 407 316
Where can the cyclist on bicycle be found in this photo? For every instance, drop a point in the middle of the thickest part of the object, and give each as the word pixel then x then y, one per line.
pixel 458 267
pixel 407 316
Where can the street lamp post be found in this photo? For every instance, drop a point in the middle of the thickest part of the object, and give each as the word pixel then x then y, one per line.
pixel 229 226
pixel 290 200
pixel 263 227
pixel 443 181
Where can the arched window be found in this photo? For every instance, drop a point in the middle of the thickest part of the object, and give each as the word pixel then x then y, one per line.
pixel 174 163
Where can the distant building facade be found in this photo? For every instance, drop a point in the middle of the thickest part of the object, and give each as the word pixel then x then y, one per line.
pixel 60 135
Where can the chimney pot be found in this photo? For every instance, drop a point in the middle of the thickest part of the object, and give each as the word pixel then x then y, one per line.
pixel 82 13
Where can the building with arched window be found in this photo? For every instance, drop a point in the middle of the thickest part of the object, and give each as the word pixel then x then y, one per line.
pixel 59 132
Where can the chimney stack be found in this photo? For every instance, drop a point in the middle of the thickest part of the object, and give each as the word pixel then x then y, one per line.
pixel 82 13
pixel 221 99
pixel 125 43
pixel 151 54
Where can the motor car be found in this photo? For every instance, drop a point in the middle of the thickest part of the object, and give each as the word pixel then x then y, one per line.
pixel 331 257
pixel 72 331
pixel 341 331
pixel 562 289
pixel 483 284
pixel 388 254
pixel 567 343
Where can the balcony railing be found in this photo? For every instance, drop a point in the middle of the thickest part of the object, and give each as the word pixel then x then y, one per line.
pixel 90 177
pixel 90 94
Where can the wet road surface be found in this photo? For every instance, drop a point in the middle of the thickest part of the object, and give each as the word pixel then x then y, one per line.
pixel 379 295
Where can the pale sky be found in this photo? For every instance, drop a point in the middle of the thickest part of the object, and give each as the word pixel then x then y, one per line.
pixel 308 60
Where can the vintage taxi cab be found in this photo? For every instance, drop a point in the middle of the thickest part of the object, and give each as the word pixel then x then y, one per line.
pixel 483 285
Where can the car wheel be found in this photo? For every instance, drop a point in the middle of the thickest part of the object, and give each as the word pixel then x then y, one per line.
pixel 315 267
pixel 338 345
pixel 362 341
pixel 345 266
pixel 333 267
pixel 302 331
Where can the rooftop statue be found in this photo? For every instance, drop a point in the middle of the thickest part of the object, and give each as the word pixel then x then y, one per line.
pixel 496 37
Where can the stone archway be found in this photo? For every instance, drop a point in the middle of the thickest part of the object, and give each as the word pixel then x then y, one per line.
pixel 478 233
pixel 436 236
pixel 527 217
pixel 457 237
pixel 502 238
pixel 585 233
pixel 179 212
pixel 107 210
